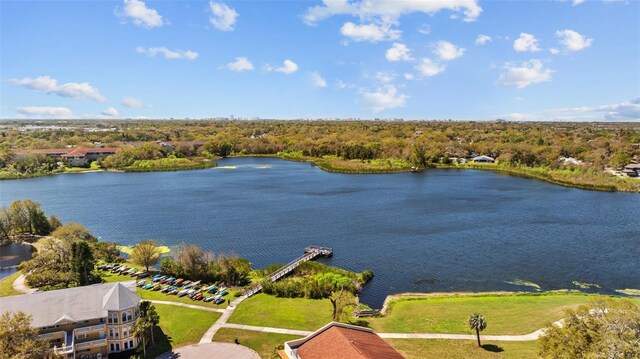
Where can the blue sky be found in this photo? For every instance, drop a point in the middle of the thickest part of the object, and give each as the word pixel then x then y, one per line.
pixel 458 59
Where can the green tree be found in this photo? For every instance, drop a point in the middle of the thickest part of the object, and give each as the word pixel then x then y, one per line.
pixel 477 322
pixel 18 339
pixel 82 263
pixel 149 313
pixel 107 251
pixel 54 222
pixel 146 253
pixel 141 331
pixel 73 232
pixel 193 261
pixel 340 300
pixel 28 218
pixel 225 149
pixel 601 329
pixel 170 267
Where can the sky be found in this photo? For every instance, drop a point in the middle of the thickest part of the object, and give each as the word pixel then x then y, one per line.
pixel 571 60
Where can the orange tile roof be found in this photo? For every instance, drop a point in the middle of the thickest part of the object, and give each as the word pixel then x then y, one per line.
pixel 339 342
pixel 82 151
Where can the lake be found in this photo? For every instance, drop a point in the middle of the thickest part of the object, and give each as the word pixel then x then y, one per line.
pixel 439 230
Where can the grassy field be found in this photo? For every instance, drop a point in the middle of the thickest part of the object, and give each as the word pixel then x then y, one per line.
pixel 440 348
pixel 292 313
pixel 263 343
pixel 6 285
pixel 179 326
pixel 505 314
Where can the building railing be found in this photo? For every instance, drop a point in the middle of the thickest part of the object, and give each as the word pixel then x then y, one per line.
pixel 63 350
pixel 92 328
pixel 51 335
pixel 91 343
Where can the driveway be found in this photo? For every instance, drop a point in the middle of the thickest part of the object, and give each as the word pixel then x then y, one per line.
pixel 211 350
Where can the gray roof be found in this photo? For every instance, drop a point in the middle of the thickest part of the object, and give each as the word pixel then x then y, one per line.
pixel 72 304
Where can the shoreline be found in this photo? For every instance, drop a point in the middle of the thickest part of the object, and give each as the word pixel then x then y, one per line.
pixel 534 173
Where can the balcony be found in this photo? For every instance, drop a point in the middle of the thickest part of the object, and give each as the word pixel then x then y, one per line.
pixel 48 336
pixel 92 343
pixel 92 328
pixel 63 350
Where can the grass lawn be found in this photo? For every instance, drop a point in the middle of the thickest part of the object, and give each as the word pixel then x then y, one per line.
pixel 263 343
pixel 179 326
pixel 6 285
pixel 292 313
pixel 505 314
pixel 441 348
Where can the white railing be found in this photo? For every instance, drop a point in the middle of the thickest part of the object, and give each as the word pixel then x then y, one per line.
pixel 92 328
pixel 91 343
pixel 63 350
pixel 50 335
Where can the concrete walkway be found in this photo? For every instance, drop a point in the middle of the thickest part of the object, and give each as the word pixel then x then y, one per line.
pixel 188 306
pixel 211 350
pixel 507 338
pixel 302 333
pixel 20 286
pixel 208 335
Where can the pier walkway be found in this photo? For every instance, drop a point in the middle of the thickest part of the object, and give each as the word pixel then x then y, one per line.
pixel 310 253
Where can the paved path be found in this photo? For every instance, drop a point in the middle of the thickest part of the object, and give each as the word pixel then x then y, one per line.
pixel 211 350
pixel 208 335
pixel 200 307
pixel 508 338
pixel 20 286
pixel 302 333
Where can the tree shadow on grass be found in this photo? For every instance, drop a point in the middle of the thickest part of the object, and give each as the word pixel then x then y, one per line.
pixel 163 344
pixel 492 348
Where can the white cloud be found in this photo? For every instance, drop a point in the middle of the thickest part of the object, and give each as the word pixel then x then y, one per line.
pixel 111 112
pixel 447 51
pixel 131 102
pixel 625 111
pixel 428 67
pixel 49 85
pixel 554 51
pixel 398 52
pixel 391 10
pixel 241 64
pixel 369 32
pixel 222 16
pixel 482 39
pixel 526 43
pixel 577 2
pixel 168 54
pixel 319 81
pixel 573 40
pixel 288 67
pixel 408 76
pixel 55 112
pixel 384 98
pixel 385 77
pixel 141 14
pixel 528 73
pixel 424 29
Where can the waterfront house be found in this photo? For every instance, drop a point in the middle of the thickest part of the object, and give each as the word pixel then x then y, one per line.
pixel 632 170
pixel 82 156
pixel 483 159
pixel 83 322
pixel 339 341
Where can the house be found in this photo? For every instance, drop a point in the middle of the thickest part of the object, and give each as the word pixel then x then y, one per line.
pixel 83 322
pixel 632 170
pixel 339 341
pixel 82 156
pixel 483 159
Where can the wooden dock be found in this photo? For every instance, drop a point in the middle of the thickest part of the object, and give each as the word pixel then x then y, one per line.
pixel 311 252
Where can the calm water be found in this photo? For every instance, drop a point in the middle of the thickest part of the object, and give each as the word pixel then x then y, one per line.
pixel 441 230
pixel 11 255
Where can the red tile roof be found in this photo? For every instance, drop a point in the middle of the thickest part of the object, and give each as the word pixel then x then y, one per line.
pixel 339 341
pixel 82 151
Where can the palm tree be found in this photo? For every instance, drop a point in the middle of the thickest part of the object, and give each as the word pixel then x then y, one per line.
pixel 477 322
pixel 152 319
pixel 141 331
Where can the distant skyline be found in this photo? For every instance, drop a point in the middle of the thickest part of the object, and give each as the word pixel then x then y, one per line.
pixel 571 60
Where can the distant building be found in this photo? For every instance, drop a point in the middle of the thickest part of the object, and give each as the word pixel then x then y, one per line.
pixel 632 170
pixel 483 159
pixel 82 322
pixel 82 156
pixel 339 341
